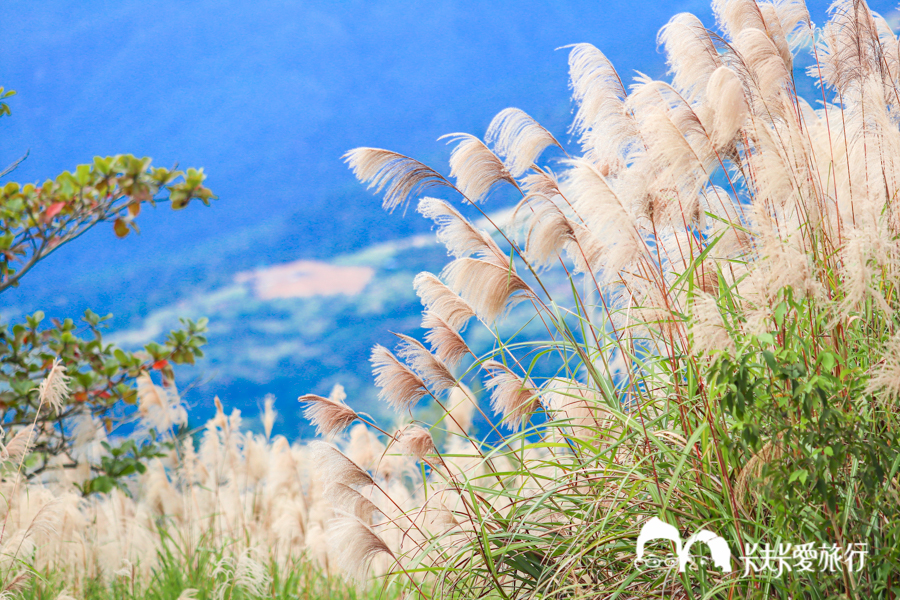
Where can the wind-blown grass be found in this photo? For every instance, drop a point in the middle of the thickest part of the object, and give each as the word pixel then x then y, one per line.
pixel 693 321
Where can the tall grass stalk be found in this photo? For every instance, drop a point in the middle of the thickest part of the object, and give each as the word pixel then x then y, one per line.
pixel 691 319
pixel 238 516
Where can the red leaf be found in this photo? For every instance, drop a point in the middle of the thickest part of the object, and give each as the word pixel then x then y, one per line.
pixel 53 210
pixel 160 365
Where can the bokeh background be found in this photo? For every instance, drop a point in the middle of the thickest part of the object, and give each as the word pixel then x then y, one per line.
pixel 296 265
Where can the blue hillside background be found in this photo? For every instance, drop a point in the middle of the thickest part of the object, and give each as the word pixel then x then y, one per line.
pixel 296 265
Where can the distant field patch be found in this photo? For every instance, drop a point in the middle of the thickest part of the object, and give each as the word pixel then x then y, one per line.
pixel 306 278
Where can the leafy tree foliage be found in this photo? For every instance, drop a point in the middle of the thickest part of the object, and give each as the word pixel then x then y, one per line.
pixel 36 220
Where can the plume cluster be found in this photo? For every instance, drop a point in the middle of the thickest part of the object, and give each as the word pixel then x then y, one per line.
pixel 696 215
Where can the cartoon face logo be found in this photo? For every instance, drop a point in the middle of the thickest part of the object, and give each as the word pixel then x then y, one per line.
pixel 655 529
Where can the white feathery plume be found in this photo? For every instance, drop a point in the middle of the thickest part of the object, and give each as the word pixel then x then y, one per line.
pixel 187 594
pixel 512 397
pixel 54 389
pixel 518 139
pixel 725 94
pixel 489 288
pixel 888 40
pixel 445 342
pixel 734 16
pixel 442 301
pixel 251 575
pixel 401 175
pixel 577 405
pixel 691 54
pixel 366 450
pixel 269 415
pixel 20 444
pixel 849 47
pixel 46 520
pixel 542 182
pixel 885 378
pixel 865 255
pixel 475 167
pixel 433 372
pixel 88 433
pixel 461 410
pixel 604 214
pixel 160 408
pixel 795 21
pixel 15 584
pixel 676 145
pixel 584 250
pixel 329 415
pixel 400 387
pixel 549 230
pixel 126 570
pixel 594 199
pixel 416 441
pixel 759 52
pixel 356 545
pixel 602 121
pixel 708 327
pixel 458 234
pixel 345 499
pixel 334 467
pixel 777 34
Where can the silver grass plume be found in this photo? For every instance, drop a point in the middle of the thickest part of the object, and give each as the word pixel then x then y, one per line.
pixel 345 499
pixel 708 327
pixel 849 47
pixel 251 575
pixel 734 16
pixel 462 406
pixel 416 441
pixel 541 182
pixel 604 125
pixel 46 519
pixel 442 301
pixel 333 466
pixel 885 378
pixel 518 139
pixel 433 372
pixel 14 585
pixel 329 415
pixel 725 94
pixel 759 53
pixel 357 545
pixel 514 398
pixel 269 415
pixel 585 250
pixel 459 236
pixel 445 342
pixel 400 387
pixel 691 54
pixel 54 389
pixel 549 230
pixel 20 444
pixel 401 175
pixel 476 168
pixel 489 288
pixel 677 149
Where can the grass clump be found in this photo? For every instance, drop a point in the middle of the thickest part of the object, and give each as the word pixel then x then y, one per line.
pixel 688 330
